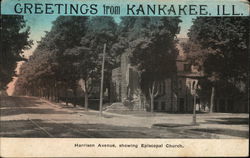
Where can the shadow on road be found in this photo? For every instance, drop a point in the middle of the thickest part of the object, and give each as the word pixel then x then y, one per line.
pixel 8 112
pixel 228 132
pixel 25 128
pixel 223 131
pixel 170 125
pixel 229 121
pixel 20 105
pixel 41 128
pixel 12 101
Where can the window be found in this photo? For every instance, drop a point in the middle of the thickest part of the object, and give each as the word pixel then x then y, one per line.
pixel 160 89
pixel 164 87
pixel 181 104
pixel 163 106
pixel 180 84
pixel 155 105
pixel 186 67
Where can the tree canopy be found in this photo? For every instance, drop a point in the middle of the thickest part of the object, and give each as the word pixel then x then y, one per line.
pixel 219 46
pixel 151 45
pixel 71 51
pixel 14 40
pixel 225 40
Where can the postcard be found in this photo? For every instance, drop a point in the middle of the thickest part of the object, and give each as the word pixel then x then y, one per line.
pixel 114 78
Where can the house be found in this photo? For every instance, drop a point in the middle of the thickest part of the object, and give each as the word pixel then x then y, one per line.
pixel 188 78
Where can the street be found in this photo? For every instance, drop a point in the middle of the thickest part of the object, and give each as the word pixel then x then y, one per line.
pixel 35 117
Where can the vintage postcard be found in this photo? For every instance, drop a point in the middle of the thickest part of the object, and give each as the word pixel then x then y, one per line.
pixel 134 78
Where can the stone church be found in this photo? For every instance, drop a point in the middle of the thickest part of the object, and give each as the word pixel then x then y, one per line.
pixel 175 94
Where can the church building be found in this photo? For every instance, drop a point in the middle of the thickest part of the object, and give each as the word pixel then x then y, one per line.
pixel 176 94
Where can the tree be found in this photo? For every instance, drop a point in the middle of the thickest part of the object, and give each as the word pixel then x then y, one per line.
pixel 37 75
pixel 151 45
pixel 50 67
pixel 14 40
pixel 100 31
pixel 64 37
pixel 223 43
pixel 70 52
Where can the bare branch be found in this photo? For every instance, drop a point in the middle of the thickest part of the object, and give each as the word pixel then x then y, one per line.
pixel 153 87
pixel 90 89
pixel 156 93
pixel 150 92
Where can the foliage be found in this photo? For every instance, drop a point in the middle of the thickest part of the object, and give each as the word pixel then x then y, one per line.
pixel 14 40
pixel 224 43
pixel 151 45
pixel 71 51
pixel 219 47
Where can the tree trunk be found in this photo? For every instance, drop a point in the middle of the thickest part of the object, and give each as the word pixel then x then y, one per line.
pixel 109 94
pixel 212 100
pixel 66 95
pixel 74 97
pixel 152 94
pixel 172 95
pixel 86 103
pixel 151 103
pixel 53 93
pixel 86 90
pixel 48 93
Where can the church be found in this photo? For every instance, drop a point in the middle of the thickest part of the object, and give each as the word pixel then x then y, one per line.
pixel 175 94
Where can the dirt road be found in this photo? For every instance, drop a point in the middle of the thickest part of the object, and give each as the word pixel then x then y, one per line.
pixel 34 117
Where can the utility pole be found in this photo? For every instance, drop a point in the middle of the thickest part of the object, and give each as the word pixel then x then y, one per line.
pixel 102 78
pixel 194 93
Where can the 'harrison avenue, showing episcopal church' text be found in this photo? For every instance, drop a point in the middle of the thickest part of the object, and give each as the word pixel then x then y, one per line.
pixel 129 145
